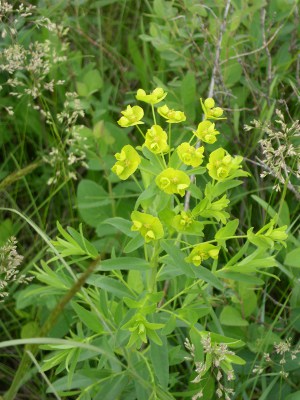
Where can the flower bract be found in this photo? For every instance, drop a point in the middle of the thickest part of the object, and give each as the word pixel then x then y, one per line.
pixel 209 109
pixel 189 155
pixel 154 97
pixel 221 165
pixel 185 222
pixel 156 140
pixel 131 116
pixel 172 116
pixel 172 181
pixel 149 226
pixel 202 252
pixel 206 132
pixel 127 162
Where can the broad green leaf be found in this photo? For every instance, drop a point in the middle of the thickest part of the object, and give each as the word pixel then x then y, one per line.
pixel 234 359
pixel 81 379
pixel 93 81
pixel 248 299
pixel 232 73
pixel 228 230
pixel 239 277
pixel 220 188
pixel 141 67
pixel 196 171
pixel 194 312
pixel 112 388
pixel 293 396
pixel 217 338
pixel 292 259
pixel 232 317
pixel 110 285
pixel 188 95
pixel 122 224
pixel 88 318
pixel 94 203
pixel 176 257
pixel 207 276
pixel 123 263
pixel 135 281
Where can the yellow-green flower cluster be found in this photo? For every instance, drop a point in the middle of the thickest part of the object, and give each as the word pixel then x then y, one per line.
pixel 154 97
pixel 131 116
pixel 172 116
pixel 189 155
pixel 222 165
pixel 156 140
pixel 173 181
pixel 209 109
pixel 206 132
pixel 202 252
pixel 127 162
pixel 183 221
pixel 149 226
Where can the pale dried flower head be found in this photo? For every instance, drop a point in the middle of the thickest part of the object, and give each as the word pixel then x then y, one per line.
pixel 214 354
pixel 280 153
pixel 10 260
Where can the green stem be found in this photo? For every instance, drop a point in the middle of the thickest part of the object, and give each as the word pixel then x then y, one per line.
pixel 137 182
pixel 141 132
pixel 153 113
pixel 152 287
pixel 163 158
pixel 170 136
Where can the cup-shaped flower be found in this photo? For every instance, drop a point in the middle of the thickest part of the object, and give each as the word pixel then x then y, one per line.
pixel 221 165
pixel 131 116
pixel 202 252
pixel 154 97
pixel 156 140
pixel 172 116
pixel 172 181
pixel 127 162
pixel 206 132
pixel 149 226
pixel 189 155
pixel 209 109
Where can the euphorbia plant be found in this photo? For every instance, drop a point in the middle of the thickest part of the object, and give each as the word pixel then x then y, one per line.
pixel 187 237
pixel 184 274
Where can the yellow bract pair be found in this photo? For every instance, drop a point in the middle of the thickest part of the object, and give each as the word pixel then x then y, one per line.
pixel 173 181
pixel 128 161
pixel 149 226
pixel 209 109
pixel 202 252
pixel 222 165
pixel 189 155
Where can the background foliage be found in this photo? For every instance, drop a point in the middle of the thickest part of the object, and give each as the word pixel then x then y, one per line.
pixel 67 69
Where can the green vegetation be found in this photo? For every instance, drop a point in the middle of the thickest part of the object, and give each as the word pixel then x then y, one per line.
pixel 149 198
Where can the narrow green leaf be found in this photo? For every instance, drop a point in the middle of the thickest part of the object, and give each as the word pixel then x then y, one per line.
pixel 160 361
pixel 135 243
